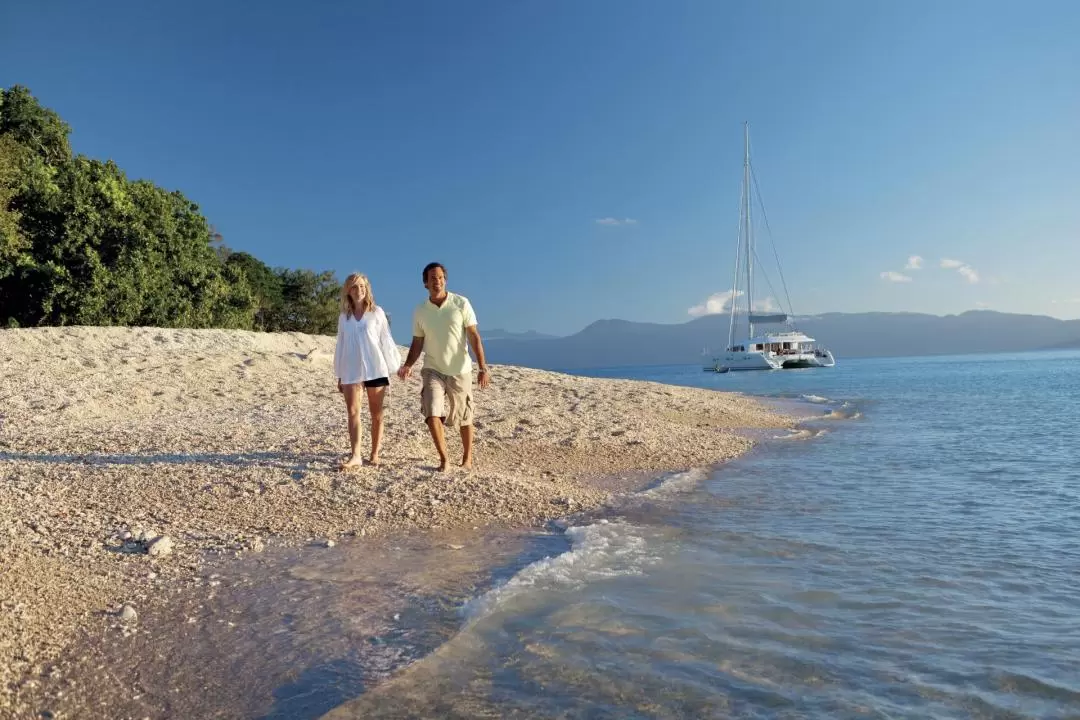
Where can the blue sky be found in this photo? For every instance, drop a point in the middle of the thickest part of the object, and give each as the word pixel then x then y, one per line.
pixel 493 136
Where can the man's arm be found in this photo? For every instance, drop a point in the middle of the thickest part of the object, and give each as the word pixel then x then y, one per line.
pixel 415 348
pixel 478 350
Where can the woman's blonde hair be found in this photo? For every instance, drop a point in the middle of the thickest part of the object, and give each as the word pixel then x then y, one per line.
pixel 367 302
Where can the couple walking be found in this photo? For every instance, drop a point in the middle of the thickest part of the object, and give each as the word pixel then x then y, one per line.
pixel 444 326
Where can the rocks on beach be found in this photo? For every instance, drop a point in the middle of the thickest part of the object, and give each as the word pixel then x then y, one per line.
pixel 133 458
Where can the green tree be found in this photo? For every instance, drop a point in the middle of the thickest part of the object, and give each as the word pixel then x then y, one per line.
pixel 80 243
pixel 310 302
pixel 265 286
pixel 33 126
pixel 12 241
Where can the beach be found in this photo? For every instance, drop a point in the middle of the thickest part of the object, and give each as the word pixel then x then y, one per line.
pixel 131 459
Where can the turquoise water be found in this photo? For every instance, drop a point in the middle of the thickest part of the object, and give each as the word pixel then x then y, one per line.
pixel 914 554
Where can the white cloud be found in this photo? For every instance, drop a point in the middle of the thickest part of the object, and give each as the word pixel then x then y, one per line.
pixel 915 262
pixel 979 304
pixel 629 221
pixel 721 302
pixel 895 277
pixel 714 304
pixel 615 222
pixel 966 271
pixel 1066 301
pixel 768 305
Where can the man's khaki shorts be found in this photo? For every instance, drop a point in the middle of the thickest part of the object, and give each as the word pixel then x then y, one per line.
pixel 446 396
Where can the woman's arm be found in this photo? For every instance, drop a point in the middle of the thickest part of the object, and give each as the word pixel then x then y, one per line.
pixel 338 349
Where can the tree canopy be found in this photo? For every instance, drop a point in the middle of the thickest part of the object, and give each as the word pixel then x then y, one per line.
pixel 82 244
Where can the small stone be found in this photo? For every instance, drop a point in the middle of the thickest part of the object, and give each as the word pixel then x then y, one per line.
pixel 128 614
pixel 126 535
pixel 330 543
pixel 258 545
pixel 161 546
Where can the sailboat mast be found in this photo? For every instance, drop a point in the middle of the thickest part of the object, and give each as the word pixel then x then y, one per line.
pixel 735 279
pixel 749 238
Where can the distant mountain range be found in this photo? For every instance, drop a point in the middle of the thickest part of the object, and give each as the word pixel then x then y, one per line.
pixel 499 334
pixel 611 343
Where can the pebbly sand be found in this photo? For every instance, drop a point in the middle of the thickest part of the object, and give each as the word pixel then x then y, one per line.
pixel 226 442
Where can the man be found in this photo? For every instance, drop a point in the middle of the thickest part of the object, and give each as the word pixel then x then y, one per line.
pixel 444 326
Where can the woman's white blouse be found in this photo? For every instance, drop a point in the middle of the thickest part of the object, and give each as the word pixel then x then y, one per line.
pixel 365 349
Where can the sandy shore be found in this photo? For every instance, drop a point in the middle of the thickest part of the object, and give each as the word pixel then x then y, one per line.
pixel 225 442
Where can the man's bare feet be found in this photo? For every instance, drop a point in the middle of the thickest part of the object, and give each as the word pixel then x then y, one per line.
pixel 354 462
pixel 373 461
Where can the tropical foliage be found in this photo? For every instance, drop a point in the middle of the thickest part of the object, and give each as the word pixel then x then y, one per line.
pixel 82 244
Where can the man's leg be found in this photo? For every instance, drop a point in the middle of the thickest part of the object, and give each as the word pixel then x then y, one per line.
pixel 433 405
pixel 459 395
pixel 466 444
pixel 435 425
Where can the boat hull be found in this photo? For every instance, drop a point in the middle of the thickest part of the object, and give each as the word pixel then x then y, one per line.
pixel 748 361
pixel 820 358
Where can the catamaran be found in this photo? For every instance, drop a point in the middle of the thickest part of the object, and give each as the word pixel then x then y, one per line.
pixel 749 347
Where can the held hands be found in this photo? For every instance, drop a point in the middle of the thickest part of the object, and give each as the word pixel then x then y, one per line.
pixel 484 379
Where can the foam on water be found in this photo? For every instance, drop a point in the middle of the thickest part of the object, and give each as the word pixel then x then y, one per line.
pixel 676 483
pixel 605 549
pixel 802 434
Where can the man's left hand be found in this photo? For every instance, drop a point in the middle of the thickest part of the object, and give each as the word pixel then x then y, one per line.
pixel 484 379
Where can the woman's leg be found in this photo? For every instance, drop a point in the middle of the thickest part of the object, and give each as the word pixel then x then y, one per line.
pixel 352 407
pixel 375 397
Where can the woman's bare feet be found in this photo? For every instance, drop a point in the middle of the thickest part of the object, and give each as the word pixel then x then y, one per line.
pixel 466 463
pixel 354 462
pixel 373 461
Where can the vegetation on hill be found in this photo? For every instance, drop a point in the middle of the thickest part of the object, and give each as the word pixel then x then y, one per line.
pixel 82 244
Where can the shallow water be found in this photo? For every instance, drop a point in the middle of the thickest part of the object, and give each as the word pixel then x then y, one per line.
pixel 916 558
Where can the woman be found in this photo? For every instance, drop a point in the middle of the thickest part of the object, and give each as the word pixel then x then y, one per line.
pixel 365 358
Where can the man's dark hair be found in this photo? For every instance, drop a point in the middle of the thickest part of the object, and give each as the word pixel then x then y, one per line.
pixel 431 266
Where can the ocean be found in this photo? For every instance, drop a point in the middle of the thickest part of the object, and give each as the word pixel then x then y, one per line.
pixel 912 552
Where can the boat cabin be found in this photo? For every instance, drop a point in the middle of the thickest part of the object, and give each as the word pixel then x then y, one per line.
pixel 789 343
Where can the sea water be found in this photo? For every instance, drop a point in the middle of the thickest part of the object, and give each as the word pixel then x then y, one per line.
pixel 912 552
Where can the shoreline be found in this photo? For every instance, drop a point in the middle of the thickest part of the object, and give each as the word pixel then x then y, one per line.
pixel 226 442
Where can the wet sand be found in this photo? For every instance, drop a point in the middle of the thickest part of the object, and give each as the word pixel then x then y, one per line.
pixel 207 446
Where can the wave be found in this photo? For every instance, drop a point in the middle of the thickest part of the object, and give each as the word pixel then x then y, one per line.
pixel 802 434
pixel 676 483
pixel 605 549
pixel 815 399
